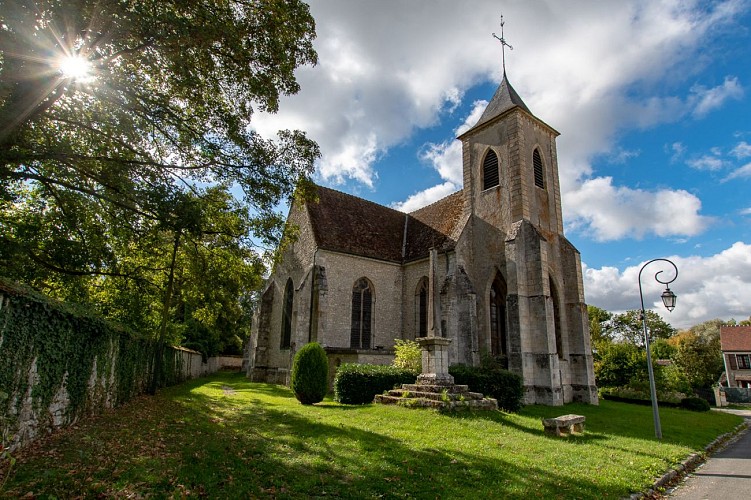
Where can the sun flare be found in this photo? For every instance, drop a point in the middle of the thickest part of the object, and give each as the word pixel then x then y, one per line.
pixel 76 68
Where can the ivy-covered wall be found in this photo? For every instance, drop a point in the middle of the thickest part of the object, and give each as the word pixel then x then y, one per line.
pixel 58 363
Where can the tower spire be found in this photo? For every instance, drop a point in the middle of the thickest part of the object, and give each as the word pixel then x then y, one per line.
pixel 503 45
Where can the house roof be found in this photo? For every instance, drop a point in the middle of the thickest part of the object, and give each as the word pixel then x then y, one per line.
pixel 348 224
pixel 735 338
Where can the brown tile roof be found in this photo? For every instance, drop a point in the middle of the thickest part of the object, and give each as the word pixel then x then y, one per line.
pixel 434 226
pixel 735 338
pixel 348 224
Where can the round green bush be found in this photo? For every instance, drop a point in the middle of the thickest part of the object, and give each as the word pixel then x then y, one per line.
pixel 695 404
pixel 310 371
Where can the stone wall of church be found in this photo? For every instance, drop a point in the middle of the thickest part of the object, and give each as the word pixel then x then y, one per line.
pixel 343 271
pixel 413 273
pixel 269 361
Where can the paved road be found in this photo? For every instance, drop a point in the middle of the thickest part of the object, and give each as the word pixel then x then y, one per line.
pixel 726 475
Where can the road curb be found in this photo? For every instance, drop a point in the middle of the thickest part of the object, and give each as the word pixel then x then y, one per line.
pixel 693 461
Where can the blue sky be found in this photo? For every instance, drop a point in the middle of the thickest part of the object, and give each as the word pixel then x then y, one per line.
pixel 652 100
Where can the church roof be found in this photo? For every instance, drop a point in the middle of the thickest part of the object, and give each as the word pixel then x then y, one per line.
pixel 504 99
pixel 348 224
pixel 434 226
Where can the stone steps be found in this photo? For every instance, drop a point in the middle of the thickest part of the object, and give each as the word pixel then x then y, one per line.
pixel 438 404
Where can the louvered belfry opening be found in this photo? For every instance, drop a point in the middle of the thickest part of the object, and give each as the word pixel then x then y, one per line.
pixel 539 175
pixel 362 308
pixel 490 176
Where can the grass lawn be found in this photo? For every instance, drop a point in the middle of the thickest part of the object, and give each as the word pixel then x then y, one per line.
pixel 225 437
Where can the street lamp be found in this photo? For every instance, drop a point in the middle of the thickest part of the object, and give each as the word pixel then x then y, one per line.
pixel 668 298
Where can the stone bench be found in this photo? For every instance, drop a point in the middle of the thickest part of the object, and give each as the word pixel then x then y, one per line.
pixel 565 424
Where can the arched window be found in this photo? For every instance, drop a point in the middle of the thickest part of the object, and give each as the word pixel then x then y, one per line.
pixel 490 170
pixel 287 315
pixel 362 314
pixel 421 308
pixel 556 319
pixel 539 172
pixel 498 317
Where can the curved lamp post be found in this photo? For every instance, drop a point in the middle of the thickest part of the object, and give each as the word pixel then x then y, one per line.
pixel 668 298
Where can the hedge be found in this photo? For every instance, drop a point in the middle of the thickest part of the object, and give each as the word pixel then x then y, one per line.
pixel 497 383
pixel 358 384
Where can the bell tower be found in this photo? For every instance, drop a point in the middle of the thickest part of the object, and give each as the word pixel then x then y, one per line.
pixel 513 204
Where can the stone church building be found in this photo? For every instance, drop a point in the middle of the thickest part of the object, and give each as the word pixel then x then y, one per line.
pixel 487 267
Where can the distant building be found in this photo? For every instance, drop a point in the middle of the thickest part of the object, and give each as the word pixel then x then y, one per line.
pixel 488 267
pixel 735 342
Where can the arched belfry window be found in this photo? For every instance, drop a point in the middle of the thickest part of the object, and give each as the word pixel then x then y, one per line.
pixel 421 308
pixel 539 171
pixel 498 317
pixel 362 314
pixel 490 170
pixel 287 315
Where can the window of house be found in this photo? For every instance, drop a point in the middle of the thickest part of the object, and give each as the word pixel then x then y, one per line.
pixel 539 172
pixel 421 308
pixel 498 317
pixel 287 315
pixel 362 314
pixel 744 361
pixel 490 176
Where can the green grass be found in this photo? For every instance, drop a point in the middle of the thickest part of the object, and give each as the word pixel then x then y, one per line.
pixel 225 437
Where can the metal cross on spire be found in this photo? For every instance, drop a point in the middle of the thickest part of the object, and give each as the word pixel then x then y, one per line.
pixel 503 45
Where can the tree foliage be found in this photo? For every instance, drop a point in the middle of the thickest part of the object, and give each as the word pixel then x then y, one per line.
pixel 115 189
pixel 698 353
pixel 628 327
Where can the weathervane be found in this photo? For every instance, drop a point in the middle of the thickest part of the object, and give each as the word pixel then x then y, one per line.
pixel 503 45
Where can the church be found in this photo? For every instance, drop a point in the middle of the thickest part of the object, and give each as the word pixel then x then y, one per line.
pixel 487 267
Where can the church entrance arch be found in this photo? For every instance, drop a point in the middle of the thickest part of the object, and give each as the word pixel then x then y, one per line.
pixel 498 340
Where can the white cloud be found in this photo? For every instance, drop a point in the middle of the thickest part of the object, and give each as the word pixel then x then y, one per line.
pixel 717 286
pixel 742 172
pixel 676 150
pixel 622 212
pixel 426 197
pixel 741 150
pixel 387 69
pixel 706 162
pixel 746 211
pixel 710 99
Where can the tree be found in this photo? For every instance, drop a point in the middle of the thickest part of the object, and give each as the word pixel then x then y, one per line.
pixel 628 326
pixel 598 320
pixel 698 353
pixel 103 195
pixel 173 87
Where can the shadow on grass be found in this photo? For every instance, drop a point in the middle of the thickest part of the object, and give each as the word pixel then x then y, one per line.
pixel 224 437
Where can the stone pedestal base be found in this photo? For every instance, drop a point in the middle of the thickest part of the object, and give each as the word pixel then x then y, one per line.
pixel 435 387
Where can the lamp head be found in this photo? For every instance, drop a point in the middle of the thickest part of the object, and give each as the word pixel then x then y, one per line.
pixel 669 298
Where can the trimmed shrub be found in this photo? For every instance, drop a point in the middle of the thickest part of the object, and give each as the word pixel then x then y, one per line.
pixel 694 404
pixel 309 376
pixel 496 383
pixel 358 384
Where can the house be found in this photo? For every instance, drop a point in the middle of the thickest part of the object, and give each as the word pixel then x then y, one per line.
pixel 735 342
pixel 487 267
